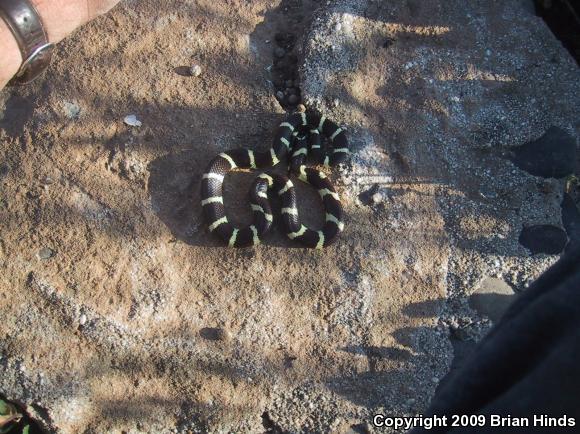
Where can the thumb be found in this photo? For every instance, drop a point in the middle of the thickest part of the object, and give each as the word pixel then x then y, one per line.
pixel 61 17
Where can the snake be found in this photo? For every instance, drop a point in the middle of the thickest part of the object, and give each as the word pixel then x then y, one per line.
pixel 299 134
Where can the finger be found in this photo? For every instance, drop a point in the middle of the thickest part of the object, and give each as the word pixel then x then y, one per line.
pixel 61 17
pixel 99 7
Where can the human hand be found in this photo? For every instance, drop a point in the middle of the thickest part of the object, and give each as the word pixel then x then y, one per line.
pixel 60 18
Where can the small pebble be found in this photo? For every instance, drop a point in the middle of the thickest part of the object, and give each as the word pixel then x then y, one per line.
pixel 301 108
pixel 132 121
pixel 280 95
pixel 83 319
pixel 377 198
pixel 279 52
pixel 47 180
pixel 195 71
pixel 45 253
pixel 71 110
pixel 335 102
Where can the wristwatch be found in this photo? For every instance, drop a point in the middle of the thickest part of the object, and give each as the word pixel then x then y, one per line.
pixel 25 24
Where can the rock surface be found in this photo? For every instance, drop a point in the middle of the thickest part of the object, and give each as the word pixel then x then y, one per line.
pixel 492 298
pixel 142 322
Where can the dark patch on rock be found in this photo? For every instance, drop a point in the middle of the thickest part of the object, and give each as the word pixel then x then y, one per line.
pixel 543 239
pixel 269 425
pixel 459 334
pixel 17 112
pixel 289 361
pixel 293 99
pixel 360 428
pixel 214 334
pixel 551 156
pixel 184 71
pixel 390 353
pixel 285 40
pixel 388 42
pixel 4 169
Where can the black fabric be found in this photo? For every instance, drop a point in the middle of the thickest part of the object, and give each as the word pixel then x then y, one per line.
pixel 529 363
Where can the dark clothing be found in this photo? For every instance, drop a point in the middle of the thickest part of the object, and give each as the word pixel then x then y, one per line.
pixel 529 363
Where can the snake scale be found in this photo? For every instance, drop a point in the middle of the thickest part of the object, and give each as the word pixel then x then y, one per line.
pixel 298 135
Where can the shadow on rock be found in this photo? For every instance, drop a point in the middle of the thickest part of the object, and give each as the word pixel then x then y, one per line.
pixel 386 380
pixel 174 189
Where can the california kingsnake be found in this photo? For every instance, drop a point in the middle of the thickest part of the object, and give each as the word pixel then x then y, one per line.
pixel 294 136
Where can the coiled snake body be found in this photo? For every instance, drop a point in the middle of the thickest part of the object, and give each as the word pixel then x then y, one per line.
pixel 294 137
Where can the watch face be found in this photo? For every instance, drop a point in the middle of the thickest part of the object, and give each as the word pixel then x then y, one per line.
pixel 34 65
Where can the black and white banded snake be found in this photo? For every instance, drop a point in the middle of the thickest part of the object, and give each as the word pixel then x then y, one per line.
pixel 294 137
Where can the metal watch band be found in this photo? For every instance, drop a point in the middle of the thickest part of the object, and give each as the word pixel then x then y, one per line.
pixel 25 24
